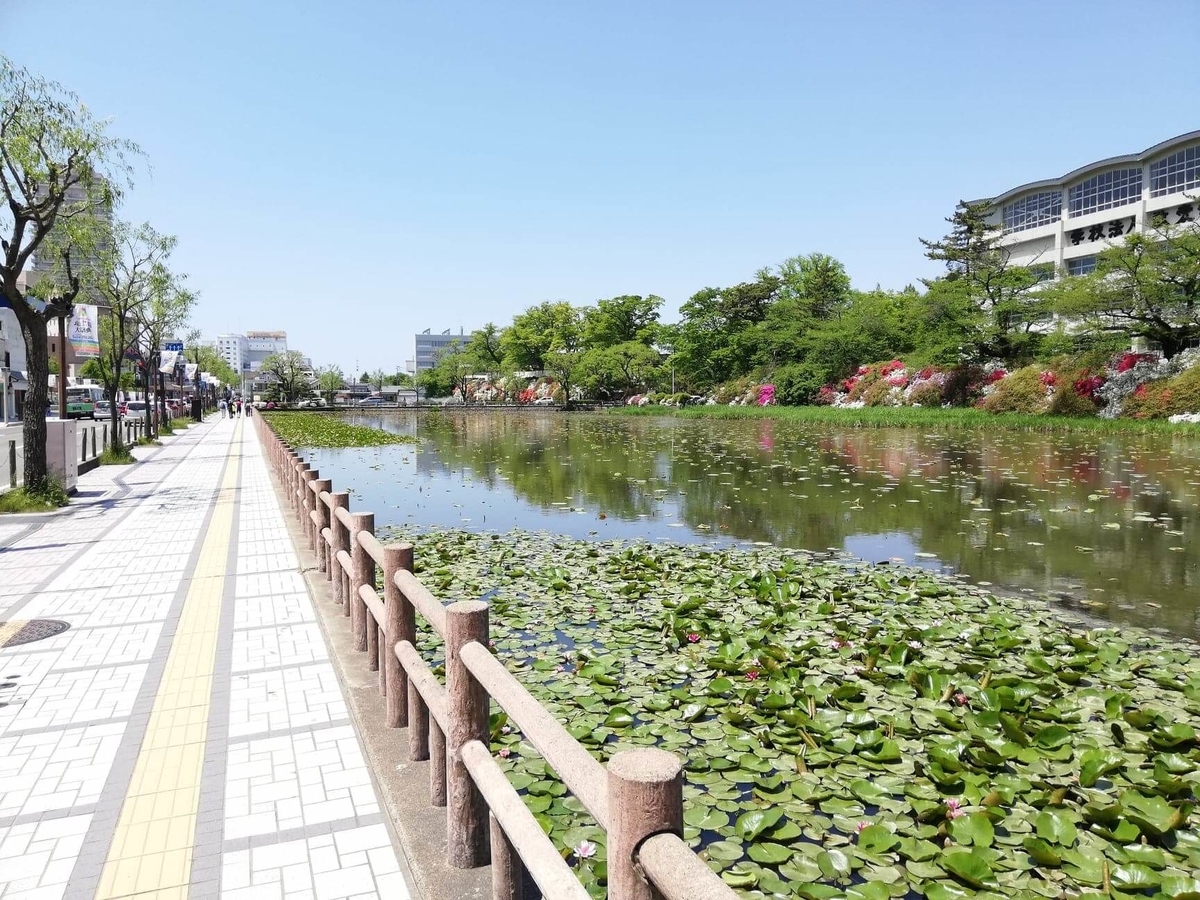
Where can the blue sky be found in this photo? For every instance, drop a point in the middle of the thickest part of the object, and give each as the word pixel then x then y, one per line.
pixel 356 172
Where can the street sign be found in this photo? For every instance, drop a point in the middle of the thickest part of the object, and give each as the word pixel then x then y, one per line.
pixel 177 346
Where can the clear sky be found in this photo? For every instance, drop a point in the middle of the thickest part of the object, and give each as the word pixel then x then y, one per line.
pixel 353 172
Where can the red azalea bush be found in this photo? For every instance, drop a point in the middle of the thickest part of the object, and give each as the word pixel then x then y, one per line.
pixel 825 396
pixel 1087 384
pixel 1048 379
pixel 996 375
pixel 888 368
pixel 1127 361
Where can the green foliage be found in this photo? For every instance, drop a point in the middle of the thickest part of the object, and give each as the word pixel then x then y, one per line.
pixel 798 383
pixel 114 456
pixel 1168 397
pixel 926 395
pixel 305 429
pixel 52 496
pixel 1021 392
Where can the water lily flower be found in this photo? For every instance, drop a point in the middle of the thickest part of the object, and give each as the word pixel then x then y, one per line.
pixel 693 637
pixel 914 645
pixel 752 675
pixel 837 644
pixel 954 809
pixel 506 729
pixel 584 849
pixel 860 826
pixel 960 698
pixel 504 753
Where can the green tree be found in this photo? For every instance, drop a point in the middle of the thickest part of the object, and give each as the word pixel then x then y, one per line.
pixel 131 277
pixel 717 338
pixel 400 379
pixel 487 349
pixel 1001 298
pixel 452 371
pixel 289 374
pixel 1147 286
pixel 620 371
pixel 50 145
pixel 537 331
pixel 813 290
pixel 619 320
pixel 378 378
pixel 330 380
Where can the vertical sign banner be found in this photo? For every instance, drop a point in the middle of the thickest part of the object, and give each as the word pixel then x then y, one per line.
pixel 169 358
pixel 84 332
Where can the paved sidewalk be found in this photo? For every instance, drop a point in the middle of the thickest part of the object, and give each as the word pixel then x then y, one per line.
pixel 186 736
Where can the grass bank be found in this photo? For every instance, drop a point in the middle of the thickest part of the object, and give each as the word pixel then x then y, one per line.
pixel 305 429
pixel 907 417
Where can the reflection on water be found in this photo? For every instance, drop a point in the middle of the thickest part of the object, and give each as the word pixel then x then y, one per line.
pixel 1105 522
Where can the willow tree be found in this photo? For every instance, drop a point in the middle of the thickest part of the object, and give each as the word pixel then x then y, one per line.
pixel 58 164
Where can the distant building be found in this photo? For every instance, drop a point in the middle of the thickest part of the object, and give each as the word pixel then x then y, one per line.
pixel 245 352
pixel 1062 223
pixel 234 349
pixel 430 346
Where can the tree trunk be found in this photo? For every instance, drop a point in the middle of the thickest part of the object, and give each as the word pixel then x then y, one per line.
pixel 33 327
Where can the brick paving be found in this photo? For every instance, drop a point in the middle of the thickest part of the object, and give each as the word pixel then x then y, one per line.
pixel 187 735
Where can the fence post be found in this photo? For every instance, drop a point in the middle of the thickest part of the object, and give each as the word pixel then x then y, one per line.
pixel 645 797
pixel 508 872
pixel 466 818
pixel 306 496
pixel 12 464
pixel 323 485
pixel 340 542
pixel 418 724
pixel 299 467
pixel 437 764
pixel 104 436
pixel 363 569
pixel 400 626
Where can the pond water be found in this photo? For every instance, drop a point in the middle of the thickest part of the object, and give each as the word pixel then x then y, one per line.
pixel 1105 524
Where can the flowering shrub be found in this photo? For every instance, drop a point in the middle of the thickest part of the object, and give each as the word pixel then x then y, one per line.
pixel 1127 361
pixel 766 395
pixel 1120 385
pixel 1048 378
pixel 994 376
pixel 888 368
pixel 898 379
pixel 1087 384
pixel 826 396
pixel 1024 391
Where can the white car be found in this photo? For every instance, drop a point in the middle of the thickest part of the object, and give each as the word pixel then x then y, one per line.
pixel 102 410
pixel 134 410
pixel 544 401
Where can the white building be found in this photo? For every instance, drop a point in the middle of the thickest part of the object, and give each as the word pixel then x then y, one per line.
pixel 1062 223
pixel 428 347
pixel 234 349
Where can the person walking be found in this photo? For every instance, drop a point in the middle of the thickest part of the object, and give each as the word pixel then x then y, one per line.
pixel 221 407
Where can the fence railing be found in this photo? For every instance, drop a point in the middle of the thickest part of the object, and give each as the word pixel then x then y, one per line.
pixel 637 798
pixel 91 439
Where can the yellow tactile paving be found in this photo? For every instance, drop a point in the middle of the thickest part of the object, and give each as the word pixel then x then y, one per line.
pixel 151 851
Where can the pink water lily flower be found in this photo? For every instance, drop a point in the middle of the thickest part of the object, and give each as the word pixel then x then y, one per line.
pixel 861 826
pixel 752 675
pixel 954 809
pixel 504 753
pixel 960 698
pixel 584 850
pixel 693 637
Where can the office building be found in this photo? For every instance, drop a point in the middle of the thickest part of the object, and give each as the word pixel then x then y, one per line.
pixel 430 346
pixel 1062 223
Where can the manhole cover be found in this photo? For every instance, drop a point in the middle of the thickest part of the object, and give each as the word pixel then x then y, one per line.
pixel 37 630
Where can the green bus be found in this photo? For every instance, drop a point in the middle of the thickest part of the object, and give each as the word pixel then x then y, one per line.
pixel 81 401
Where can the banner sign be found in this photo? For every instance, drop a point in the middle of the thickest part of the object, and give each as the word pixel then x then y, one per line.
pixel 168 358
pixel 84 332
pixel 189 372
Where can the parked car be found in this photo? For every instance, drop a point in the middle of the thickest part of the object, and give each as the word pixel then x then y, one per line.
pixel 133 409
pixel 372 401
pixel 102 410
pixel 544 401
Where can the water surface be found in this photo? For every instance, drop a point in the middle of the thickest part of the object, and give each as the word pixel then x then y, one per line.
pixel 1103 523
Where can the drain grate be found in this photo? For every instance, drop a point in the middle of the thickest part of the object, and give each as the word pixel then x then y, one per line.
pixel 36 630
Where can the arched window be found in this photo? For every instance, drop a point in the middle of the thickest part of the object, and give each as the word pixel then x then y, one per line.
pixel 1116 187
pixel 1032 210
pixel 1178 172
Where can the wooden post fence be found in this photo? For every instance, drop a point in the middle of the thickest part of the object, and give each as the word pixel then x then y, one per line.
pixel 637 799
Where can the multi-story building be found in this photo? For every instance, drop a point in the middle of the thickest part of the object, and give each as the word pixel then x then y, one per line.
pixel 91 201
pixel 430 346
pixel 261 344
pixel 1062 223
pixel 234 349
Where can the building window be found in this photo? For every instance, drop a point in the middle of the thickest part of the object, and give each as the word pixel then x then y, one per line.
pixel 1115 187
pixel 1032 210
pixel 1178 172
pixel 1081 265
pixel 1042 271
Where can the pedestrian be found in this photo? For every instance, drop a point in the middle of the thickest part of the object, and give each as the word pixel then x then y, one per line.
pixel 221 407
pixel 239 406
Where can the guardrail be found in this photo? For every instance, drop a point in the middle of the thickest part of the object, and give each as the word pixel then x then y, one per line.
pixel 91 439
pixel 637 798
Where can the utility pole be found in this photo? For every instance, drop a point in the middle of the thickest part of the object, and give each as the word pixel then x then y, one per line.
pixel 62 367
